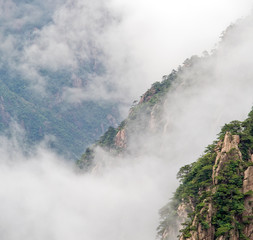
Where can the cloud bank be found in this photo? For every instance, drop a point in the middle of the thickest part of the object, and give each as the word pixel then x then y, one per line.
pixel 42 197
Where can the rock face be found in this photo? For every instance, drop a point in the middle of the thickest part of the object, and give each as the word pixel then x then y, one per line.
pixel 204 224
pixel 225 150
pixel 223 153
pixel 120 139
pixel 202 233
pixel 248 203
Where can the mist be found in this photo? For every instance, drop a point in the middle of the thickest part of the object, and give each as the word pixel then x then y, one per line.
pixel 130 44
pixel 43 196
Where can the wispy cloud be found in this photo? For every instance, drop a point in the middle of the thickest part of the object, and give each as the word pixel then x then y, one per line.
pixel 123 45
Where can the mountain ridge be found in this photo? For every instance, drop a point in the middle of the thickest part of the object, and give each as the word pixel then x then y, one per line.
pixel 218 204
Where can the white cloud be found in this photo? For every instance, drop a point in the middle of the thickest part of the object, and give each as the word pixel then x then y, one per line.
pixel 42 197
pixel 136 41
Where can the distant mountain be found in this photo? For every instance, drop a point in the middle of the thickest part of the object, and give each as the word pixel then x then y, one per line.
pixel 74 126
pixel 32 92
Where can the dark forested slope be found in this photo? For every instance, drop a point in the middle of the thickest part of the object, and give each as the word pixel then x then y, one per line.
pixel 32 87
pixel 73 126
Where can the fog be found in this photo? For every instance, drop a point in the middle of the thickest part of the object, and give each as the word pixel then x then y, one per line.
pixel 44 197
pixel 133 42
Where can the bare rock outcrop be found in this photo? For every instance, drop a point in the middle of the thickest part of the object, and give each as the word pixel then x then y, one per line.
pixel 226 150
pixel 121 139
pixel 248 203
pixel 228 165
pixel 202 233
pixel 224 153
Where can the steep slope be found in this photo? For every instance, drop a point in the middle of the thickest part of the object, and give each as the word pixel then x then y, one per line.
pixel 74 126
pixel 144 117
pixel 215 196
pixel 32 90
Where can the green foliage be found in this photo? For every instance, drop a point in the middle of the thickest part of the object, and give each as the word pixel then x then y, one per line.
pixel 139 115
pixel 195 176
pixel 246 144
pixel 248 193
pixel 86 160
pixel 234 127
pixel 224 229
pixel 184 171
pixel 107 140
pixel 159 89
pixel 228 198
pixel 245 131
pixel 197 190
pixel 205 224
pixel 122 124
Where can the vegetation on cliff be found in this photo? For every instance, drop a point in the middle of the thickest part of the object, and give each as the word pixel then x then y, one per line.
pixel 211 189
pixel 138 120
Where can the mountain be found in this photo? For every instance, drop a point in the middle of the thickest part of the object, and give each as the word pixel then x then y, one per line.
pixel 73 125
pixel 146 120
pixel 34 82
pixel 144 116
pixel 215 196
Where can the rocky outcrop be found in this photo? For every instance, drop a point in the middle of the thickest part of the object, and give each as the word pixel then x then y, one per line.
pixel 224 153
pixel 248 203
pixel 148 95
pixel 226 149
pixel 227 152
pixel 120 139
pixel 202 226
pixel 203 233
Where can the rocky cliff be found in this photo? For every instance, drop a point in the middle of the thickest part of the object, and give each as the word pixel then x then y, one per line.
pixel 215 197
